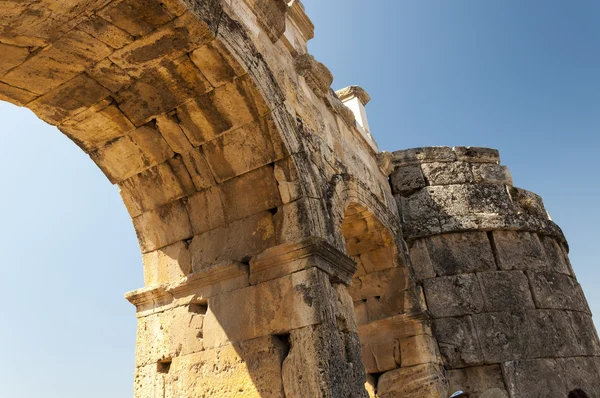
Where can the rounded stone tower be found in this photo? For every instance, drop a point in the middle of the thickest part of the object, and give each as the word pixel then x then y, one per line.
pixel 508 313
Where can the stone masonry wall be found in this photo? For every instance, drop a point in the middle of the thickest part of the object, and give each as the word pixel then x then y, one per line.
pixel 508 313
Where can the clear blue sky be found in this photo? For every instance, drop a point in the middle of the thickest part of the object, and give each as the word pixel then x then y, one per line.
pixel 520 76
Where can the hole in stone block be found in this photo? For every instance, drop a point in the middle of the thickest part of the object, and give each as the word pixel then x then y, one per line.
pixel 199 308
pixel 163 366
pixel 274 210
pixel 286 342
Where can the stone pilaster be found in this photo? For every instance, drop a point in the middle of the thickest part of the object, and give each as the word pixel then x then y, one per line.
pixel 281 327
pixel 508 313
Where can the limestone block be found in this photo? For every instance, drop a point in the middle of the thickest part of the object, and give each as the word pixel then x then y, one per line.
pixel 137 19
pixel 271 16
pixel 477 381
pixel 477 154
pixel 106 32
pixel 585 333
pixel 237 201
pixel 440 173
pixel 419 350
pixel 538 378
pixel 206 210
pixel 153 188
pixel 399 302
pixel 272 307
pixel 244 149
pixel 424 155
pixel 494 393
pixel 487 173
pixel 491 199
pixel 320 358
pixel 317 76
pixel 420 260
pixel 167 265
pixel 556 291
pixel 197 167
pixel 380 356
pixel 178 331
pixel 68 100
pixel 170 41
pixel 224 109
pixel 460 253
pixel 11 56
pixel 519 250
pixel 380 259
pixel 413 382
pixel 503 336
pixel 216 63
pixel 435 201
pixel 407 179
pixel 299 220
pixel 143 148
pixel 381 283
pixel 528 203
pixel 556 258
pixel 238 241
pixel 96 126
pixel 248 369
pixel 580 372
pixel 110 75
pixel 458 341
pixel 173 134
pixel 454 295
pixel 16 95
pixel 162 227
pixel 67 57
pixel 554 334
pixel 162 88
pixel 505 291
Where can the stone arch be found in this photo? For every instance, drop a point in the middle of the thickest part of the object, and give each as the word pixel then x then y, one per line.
pixel 397 347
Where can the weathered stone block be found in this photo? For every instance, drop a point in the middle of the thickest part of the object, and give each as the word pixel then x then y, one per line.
pixel 486 173
pixel 580 372
pixel 162 227
pixel 11 56
pixel 454 295
pixel 197 167
pixel 224 109
pixel 143 147
pixel 538 378
pixel 419 350
pixel 67 57
pixel 420 260
pixel 552 335
pixel 167 265
pixel 503 336
pixel 556 291
pixel 458 342
pixel 245 149
pixel 585 333
pixel 171 41
pixel 109 75
pixel 96 126
pixel 556 258
pixel 505 291
pixel 136 18
pixel 162 88
pixel 477 154
pixel 106 32
pixel 206 210
pixel 16 95
pixel 239 204
pixel 476 380
pixel 381 283
pixel 519 250
pixel 461 253
pixel 490 199
pixel 413 382
pixel 407 179
pixel 447 173
pixel 153 188
pixel 216 63
pixel 173 134
pixel 68 100
pixel 424 155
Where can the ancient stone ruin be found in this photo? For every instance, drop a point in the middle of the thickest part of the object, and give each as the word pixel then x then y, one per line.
pixel 284 255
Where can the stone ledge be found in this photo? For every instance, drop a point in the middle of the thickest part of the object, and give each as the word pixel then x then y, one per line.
pixel 314 252
pixel 446 154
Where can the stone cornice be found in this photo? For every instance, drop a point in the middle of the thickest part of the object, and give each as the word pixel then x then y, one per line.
pixel 289 258
pixel 298 16
pixel 354 92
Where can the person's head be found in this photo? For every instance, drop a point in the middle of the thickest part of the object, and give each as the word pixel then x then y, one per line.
pixel 578 393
